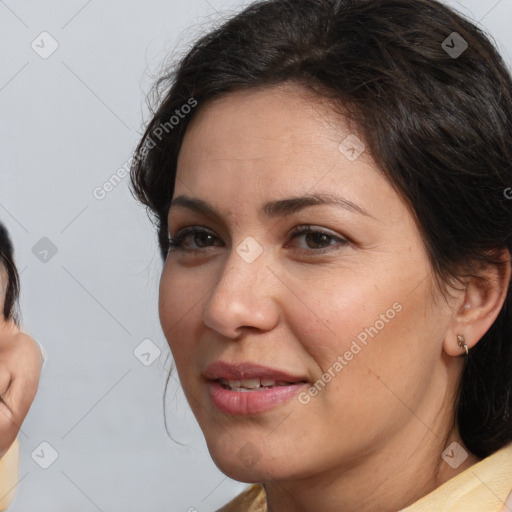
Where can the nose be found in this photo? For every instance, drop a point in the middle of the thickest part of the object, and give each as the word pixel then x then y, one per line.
pixel 243 297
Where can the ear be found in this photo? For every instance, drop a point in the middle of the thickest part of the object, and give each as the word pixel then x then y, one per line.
pixel 478 306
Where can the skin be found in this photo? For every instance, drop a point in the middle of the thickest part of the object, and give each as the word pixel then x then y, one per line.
pixel 372 439
pixel 20 369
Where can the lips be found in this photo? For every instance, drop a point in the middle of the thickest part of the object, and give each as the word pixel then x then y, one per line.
pixel 246 388
pixel 247 371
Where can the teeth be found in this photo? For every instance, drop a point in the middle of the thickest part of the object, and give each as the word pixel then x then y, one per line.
pixel 250 384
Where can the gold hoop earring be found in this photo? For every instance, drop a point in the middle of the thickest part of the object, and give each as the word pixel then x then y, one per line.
pixel 462 343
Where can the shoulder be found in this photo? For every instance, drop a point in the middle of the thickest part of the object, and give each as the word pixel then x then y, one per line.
pixel 19 348
pixel 469 490
pixel 251 500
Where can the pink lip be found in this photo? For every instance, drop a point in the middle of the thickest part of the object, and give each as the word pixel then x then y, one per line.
pixel 252 402
pixel 239 371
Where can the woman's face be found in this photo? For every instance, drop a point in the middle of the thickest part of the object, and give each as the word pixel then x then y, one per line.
pixel 339 324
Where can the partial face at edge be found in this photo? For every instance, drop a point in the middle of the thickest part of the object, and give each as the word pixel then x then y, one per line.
pixel 351 300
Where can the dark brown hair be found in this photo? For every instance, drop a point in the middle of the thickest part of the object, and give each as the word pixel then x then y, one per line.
pixel 435 115
pixel 11 288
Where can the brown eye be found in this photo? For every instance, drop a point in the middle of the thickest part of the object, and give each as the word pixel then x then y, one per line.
pixel 192 239
pixel 202 239
pixel 317 240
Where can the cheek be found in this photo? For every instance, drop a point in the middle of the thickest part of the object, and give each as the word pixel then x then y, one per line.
pixel 363 332
pixel 327 314
pixel 179 306
pixel 388 354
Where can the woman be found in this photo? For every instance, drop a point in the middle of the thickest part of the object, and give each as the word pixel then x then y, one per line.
pixel 20 368
pixel 329 185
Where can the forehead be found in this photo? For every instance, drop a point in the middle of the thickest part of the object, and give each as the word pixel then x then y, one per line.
pixel 263 119
pixel 273 134
pixel 248 149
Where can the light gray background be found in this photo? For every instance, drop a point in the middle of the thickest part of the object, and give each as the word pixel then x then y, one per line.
pixel 68 123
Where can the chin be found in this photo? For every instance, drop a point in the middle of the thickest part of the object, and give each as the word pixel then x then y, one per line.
pixel 247 466
pixel 243 474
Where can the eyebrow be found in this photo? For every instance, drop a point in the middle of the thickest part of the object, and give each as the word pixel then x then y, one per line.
pixel 272 209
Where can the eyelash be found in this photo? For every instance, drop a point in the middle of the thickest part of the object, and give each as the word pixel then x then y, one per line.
pixel 176 242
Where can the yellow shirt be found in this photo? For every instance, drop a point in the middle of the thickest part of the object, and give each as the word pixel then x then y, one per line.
pixel 484 487
pixel 9 474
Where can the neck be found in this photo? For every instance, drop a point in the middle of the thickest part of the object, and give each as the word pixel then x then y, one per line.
pixel 386 479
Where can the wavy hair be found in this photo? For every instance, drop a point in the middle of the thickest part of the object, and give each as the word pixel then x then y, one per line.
pixel 11 287
pixel 432 99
